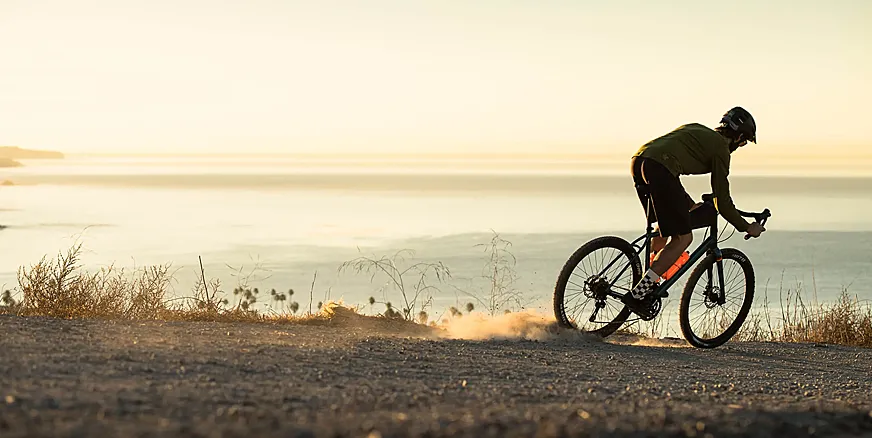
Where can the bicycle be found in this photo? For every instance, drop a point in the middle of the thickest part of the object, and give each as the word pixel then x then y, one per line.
pixel 605 286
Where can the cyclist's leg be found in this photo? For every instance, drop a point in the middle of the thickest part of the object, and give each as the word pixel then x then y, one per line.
pixel 669 200
pixel 671 252
pixel 672 204
pixel 658 242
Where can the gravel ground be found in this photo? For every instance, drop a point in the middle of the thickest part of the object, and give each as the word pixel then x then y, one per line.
pixel 97 378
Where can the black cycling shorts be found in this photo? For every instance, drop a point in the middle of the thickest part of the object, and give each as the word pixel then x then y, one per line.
pixel 670 202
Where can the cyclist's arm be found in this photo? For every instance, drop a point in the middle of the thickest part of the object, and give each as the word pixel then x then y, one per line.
pixel 721 189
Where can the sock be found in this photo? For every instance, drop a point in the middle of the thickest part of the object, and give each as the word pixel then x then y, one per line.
pixel 646 285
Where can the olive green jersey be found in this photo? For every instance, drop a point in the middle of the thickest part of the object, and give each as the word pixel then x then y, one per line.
pixel 694 149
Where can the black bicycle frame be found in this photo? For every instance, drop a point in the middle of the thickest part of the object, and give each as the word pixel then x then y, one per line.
pixel 709 245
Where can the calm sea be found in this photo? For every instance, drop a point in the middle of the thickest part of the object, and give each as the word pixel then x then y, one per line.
pixel 280 220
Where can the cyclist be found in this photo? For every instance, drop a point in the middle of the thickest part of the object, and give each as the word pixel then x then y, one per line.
pixel 691 149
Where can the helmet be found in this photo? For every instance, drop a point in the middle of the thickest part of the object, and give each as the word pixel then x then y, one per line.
pixel 740 120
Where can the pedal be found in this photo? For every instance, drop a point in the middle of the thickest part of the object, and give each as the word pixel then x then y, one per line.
pixel 647 309
pixel 639 307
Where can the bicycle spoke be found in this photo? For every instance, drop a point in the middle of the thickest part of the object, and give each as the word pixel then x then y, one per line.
pixel 612 305
pixel 575 308
pixel 576 284
pixel 701 315
pixel 740 288
pixel 734 276
pixel 696 306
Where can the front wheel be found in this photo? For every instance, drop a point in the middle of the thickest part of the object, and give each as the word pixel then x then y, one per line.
pixel 581 295
pixel 716 299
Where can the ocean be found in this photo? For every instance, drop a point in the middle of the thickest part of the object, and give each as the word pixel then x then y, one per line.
pixel 283 221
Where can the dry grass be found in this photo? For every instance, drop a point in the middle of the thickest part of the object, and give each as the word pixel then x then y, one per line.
pixel 60 288
pixel 847 321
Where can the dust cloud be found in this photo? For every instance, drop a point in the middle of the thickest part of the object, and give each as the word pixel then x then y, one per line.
pixel 526 325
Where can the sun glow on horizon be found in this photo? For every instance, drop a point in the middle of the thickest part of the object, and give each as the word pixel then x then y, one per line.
pixel 517 77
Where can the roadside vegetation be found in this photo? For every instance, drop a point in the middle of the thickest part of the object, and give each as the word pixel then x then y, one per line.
pixel 60 287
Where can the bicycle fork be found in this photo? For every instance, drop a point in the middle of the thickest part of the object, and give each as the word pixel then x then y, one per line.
pixel 720 298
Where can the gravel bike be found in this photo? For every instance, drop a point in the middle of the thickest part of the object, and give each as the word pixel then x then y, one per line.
pixel 715 301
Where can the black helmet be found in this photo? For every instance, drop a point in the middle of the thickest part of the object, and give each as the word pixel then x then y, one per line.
pixel 741 121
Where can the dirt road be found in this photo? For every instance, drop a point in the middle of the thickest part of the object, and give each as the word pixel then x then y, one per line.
pixel 97 378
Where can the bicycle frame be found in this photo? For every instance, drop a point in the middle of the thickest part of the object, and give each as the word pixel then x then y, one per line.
pixel 708 245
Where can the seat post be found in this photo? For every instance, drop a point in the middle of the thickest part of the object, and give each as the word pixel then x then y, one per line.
pixel 649 229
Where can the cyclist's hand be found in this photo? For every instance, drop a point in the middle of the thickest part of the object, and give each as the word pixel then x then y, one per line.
pixel 755 229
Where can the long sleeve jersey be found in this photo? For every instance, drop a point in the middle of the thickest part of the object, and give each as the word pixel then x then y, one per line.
pixel 694 149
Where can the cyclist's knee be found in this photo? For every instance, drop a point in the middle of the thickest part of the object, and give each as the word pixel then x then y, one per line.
pixel 685 239
pixel 682 240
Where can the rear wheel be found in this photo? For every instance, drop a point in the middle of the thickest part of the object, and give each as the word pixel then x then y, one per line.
pixel 709 316
pixel 580 295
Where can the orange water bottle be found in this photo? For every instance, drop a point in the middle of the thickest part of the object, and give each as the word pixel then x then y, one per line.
pixel 682 259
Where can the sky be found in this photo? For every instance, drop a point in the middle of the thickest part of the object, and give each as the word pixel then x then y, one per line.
pixel 423 77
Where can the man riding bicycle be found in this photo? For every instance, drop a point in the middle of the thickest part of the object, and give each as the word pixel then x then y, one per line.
pixel 691 149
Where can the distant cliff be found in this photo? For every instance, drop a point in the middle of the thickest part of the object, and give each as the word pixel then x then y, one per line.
pixel 8 162
pixel 17 153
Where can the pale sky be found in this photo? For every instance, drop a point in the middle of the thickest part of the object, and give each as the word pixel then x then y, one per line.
pixel 429 76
